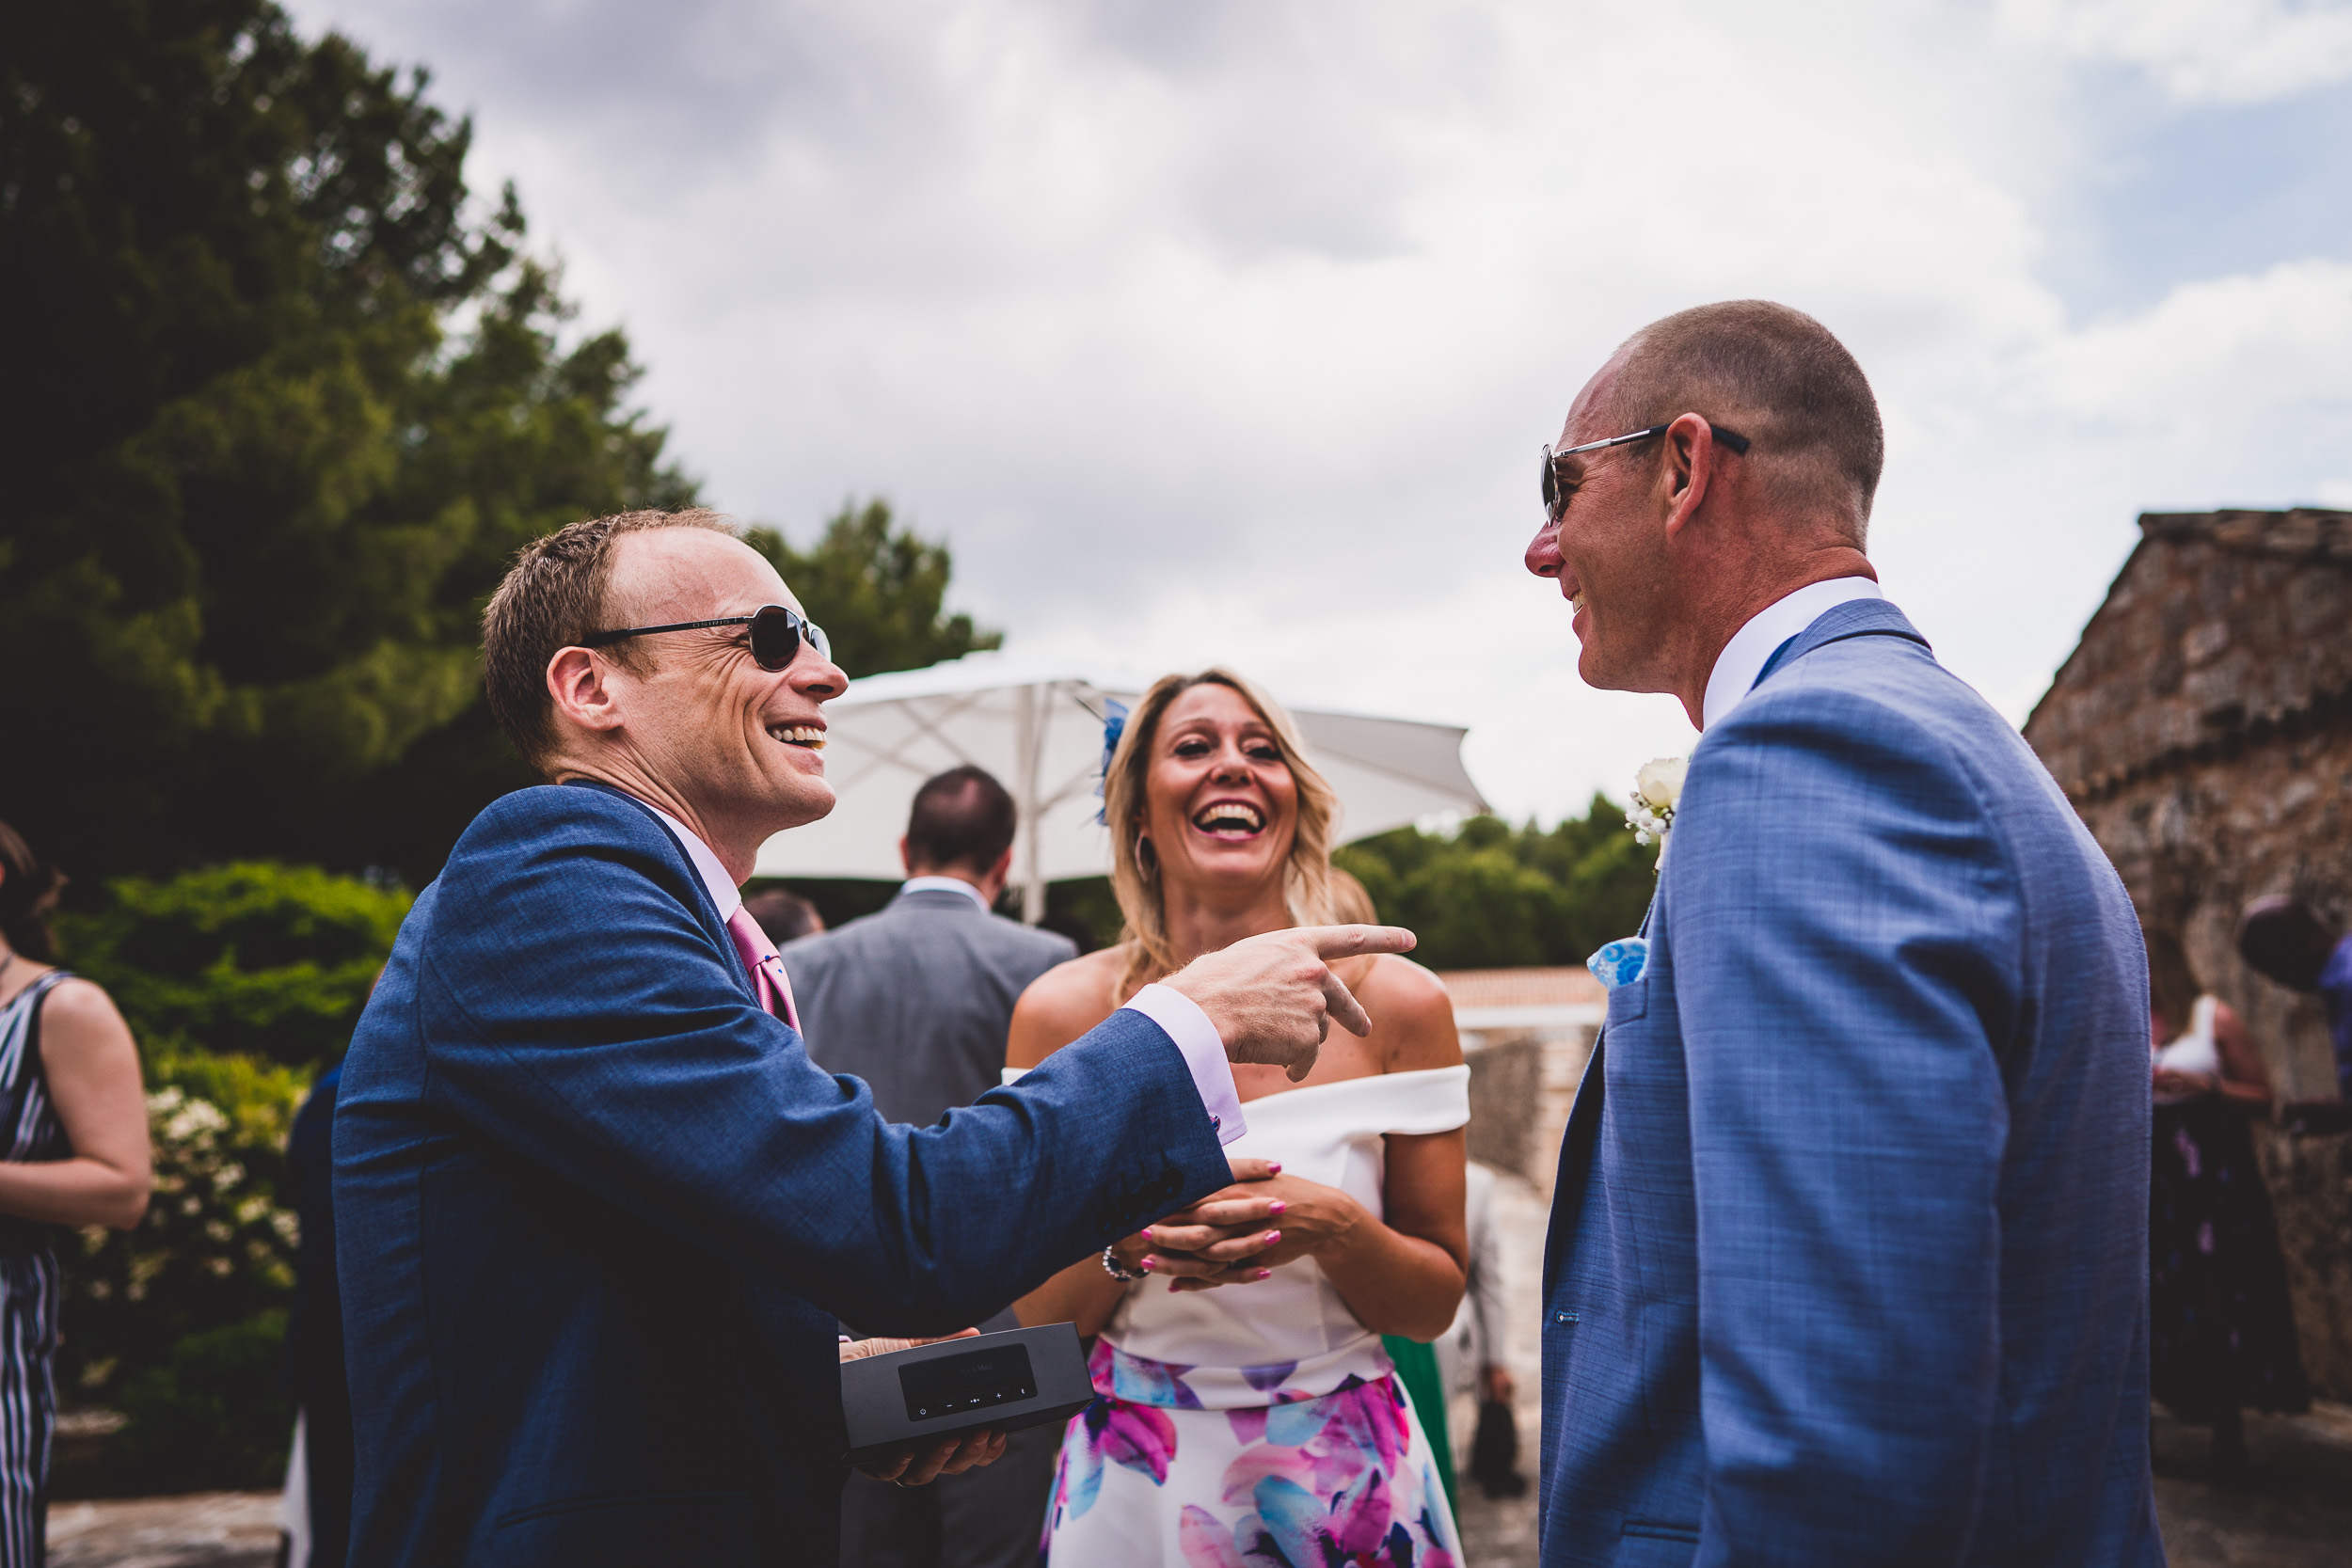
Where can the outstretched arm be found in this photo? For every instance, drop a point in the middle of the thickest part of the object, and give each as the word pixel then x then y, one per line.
pixel 1842 932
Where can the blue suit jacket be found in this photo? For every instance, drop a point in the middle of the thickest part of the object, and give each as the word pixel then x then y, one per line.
pixel 1849 1247
pixel 598 1214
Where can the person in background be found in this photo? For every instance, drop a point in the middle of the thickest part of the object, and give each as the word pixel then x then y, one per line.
pixel 785 915
pixel 317 1517
pixel 76 1154
pixel 1473 1351
pixel 2284 939
pixel 915 999
pixel 2221 1330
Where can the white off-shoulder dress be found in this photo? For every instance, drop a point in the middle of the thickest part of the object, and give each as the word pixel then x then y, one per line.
pixel 1262 1423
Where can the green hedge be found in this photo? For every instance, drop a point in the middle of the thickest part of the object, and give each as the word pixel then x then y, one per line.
pixel 249 959
pixel 238 982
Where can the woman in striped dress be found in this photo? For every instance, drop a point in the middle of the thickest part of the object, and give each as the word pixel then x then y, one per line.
pixel 72 1152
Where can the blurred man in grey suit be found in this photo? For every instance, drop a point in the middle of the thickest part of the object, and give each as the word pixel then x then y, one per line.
pixel 916 1000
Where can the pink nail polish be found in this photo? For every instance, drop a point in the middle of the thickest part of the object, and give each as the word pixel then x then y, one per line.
pixel 1272 1237
pixel 1147 1234
pixel 1145 1265
pixel 1265 1273
pixel 1279 1206
pixel 1274 1167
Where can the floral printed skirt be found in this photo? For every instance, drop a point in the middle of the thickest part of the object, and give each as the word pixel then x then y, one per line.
pixel 1338 1479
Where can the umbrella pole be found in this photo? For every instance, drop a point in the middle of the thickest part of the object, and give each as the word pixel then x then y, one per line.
pixel 1031 739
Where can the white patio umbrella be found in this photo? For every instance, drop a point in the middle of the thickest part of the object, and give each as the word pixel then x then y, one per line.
pixel 1038 726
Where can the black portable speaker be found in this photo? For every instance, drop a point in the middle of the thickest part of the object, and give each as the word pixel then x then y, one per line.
pixel 907 1399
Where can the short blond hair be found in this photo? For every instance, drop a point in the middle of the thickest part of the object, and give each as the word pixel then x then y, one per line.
pixel 1307 878
pixel 557 595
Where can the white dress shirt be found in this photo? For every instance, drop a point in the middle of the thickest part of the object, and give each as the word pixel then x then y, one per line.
pixel 1753 645
pixel 1178 1015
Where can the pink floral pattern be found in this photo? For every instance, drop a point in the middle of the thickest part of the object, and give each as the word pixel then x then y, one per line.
pixel 1332 1480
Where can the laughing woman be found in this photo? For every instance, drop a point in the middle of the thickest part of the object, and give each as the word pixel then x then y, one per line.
pixel 1245 1411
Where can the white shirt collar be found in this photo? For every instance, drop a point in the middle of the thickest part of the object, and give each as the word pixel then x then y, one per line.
pixel 723 892
pixel 945 884
pixel 1753 645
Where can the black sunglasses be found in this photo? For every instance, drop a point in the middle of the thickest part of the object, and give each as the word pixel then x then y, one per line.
pixel 777 633
pixel 1556 494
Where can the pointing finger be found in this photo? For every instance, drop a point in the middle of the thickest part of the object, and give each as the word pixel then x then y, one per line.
pixel 1348 942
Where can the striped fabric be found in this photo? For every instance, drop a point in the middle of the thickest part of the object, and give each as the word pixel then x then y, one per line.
pixel 30 1286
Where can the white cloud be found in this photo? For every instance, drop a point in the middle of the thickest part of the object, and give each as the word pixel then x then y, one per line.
pixel 1229 331
pixel 2216 51
pixel 2227 362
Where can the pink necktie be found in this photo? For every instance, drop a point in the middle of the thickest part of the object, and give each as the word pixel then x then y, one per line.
pixel 759 956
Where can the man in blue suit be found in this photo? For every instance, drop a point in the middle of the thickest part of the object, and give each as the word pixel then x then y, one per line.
pixel 598 1214
pixel 1848 1254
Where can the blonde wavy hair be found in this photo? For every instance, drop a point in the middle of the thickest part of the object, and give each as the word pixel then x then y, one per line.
pixel 1307 886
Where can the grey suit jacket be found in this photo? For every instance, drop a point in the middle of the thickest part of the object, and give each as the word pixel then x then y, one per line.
pixel 915 999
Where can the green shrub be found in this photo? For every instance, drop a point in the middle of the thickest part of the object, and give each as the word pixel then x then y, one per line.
pixel 217 1246
pixel 215 1414
pixel 251 958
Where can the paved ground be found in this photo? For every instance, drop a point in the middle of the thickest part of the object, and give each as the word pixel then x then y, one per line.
pixel 204 1529
pixel 2292 1510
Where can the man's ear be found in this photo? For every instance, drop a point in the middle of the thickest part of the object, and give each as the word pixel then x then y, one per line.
pixel 580 684
pixel 1690 461
pixel 1001 872
pixel 905 859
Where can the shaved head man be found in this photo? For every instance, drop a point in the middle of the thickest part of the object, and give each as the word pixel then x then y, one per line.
pixel 1848 1244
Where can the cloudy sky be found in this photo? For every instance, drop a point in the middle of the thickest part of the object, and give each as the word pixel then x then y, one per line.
pixel 1230 329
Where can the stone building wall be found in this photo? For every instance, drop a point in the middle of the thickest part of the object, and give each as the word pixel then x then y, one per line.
pixel 2204 730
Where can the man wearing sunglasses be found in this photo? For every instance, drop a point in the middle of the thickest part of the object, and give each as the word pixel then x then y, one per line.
pixel 1848 1255
pixel 596 1212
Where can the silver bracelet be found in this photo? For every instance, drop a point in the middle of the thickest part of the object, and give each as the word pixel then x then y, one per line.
pixel 1112 1266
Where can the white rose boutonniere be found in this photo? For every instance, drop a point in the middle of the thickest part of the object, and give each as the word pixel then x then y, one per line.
pixel 1657 788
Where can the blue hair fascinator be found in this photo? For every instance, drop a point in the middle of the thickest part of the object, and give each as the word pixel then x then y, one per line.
pixel 1114 725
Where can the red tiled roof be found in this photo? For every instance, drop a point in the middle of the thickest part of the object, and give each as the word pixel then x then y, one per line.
pixel 1521 988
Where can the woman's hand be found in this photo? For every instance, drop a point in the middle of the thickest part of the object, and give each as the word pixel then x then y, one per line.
pixel 1245 1231
pixel 1233 1221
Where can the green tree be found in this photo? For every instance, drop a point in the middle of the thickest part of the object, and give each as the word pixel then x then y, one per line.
pixel 1493 896
pixel 289 398
pixel 877 591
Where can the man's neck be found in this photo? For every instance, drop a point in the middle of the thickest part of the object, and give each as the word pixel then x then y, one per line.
pixel 1719 623
pixel 979 885
pixel 733 851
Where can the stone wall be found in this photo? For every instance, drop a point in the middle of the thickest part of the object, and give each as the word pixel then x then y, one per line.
pixel 1523 1083
pixel 2311 1189
pixel 2204 730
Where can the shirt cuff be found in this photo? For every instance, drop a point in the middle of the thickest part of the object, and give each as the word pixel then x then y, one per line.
pixel 1203 1052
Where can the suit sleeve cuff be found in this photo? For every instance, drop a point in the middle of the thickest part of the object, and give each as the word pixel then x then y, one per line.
pixel 1196 1041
